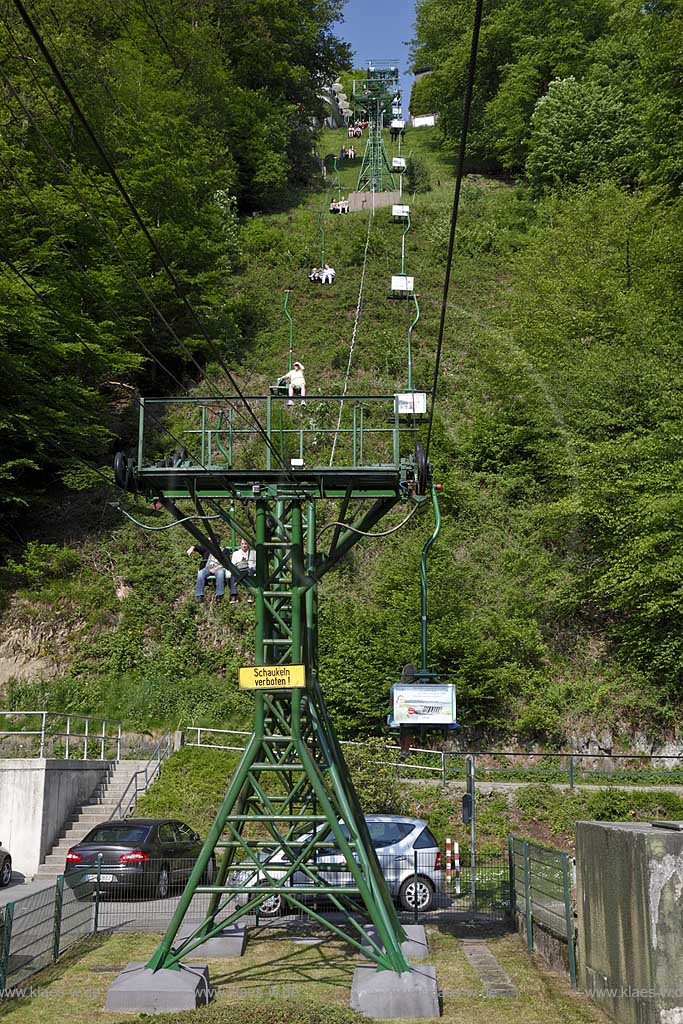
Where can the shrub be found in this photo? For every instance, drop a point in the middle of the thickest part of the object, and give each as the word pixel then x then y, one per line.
pixel 417 175
pixel 43 562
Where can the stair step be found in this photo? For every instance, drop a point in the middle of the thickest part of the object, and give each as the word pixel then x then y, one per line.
pixel 99 807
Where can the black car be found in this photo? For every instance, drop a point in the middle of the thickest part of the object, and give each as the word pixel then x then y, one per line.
pixel 142 857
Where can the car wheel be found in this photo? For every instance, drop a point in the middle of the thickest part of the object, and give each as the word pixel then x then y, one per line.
pixel 6 872
pixel 418 891
pixel 163 882
pixel 209 873
pixel 272 906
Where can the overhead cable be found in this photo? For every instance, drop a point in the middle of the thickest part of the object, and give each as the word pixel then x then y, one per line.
pixel 467 106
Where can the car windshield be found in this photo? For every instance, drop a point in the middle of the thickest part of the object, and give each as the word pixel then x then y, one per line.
pixel 118 834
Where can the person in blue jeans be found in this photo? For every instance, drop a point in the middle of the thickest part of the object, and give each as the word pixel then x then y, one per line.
pixel 210 566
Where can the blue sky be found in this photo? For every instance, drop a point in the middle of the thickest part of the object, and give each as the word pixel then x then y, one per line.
pixel 380 30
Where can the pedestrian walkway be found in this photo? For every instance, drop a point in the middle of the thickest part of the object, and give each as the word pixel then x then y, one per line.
pixel 497 984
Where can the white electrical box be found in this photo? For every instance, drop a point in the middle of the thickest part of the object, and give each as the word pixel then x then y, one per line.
pixel 411 403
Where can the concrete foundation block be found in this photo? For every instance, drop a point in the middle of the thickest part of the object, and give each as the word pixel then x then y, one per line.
pixel 228 943
pixel 386 995
pixel 414 946
pixel 139 990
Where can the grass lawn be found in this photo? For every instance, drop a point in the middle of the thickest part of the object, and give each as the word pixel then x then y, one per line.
pixel 279 981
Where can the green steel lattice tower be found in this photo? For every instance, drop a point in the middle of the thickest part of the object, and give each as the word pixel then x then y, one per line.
pixel 291 794
pixel 374 95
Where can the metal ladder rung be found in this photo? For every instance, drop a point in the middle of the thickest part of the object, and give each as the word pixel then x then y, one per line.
pixel 266 766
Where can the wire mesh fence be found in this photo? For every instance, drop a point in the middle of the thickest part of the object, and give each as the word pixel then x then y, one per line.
pixel 541 880
pixel 420 883
pixel 36 930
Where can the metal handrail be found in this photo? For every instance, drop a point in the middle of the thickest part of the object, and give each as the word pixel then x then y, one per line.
pixel 444 756
pixel 101 736
pixel 127 802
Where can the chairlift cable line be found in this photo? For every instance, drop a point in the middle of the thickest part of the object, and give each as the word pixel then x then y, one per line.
pixel 143 227
pixel 115 248
pixel 181 444
pixel 107 303
pixel 60 317
pixel 15 270
pixel 354 334
pixel 92 213
pixel 467 106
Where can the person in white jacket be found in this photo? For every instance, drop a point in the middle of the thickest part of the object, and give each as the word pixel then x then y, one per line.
pixel 327 274
pixel 244 558
pixel 296 382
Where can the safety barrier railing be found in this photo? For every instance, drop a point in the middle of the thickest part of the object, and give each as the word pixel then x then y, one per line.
pixel 541 881
pixel 62 735
pixel 496 765
pixel 220 434
pixel 37 929
pixel 142 779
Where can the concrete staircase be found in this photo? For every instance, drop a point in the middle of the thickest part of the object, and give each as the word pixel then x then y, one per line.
pixel 100 807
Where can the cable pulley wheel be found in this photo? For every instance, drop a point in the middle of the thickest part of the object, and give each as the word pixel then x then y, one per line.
pixel 121 470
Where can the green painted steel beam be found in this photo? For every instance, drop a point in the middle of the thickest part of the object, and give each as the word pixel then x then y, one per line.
pixel 292 782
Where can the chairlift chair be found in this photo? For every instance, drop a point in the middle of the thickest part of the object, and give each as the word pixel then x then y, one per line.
pixel 398 164
pixel 399 212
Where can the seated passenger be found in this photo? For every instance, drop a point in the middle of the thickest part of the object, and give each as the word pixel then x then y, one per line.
pixel 296 382
pixel 328 274
pixel 315 276
pixel 210 566
pixel 244 558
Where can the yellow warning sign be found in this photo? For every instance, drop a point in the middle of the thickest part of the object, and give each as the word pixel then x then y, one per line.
pixel 273 677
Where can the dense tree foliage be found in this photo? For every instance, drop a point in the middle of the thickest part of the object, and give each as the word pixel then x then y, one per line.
pixel 602 75
pixel 207 110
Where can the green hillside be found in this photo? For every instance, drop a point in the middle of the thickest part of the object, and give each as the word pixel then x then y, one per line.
pixel 554 588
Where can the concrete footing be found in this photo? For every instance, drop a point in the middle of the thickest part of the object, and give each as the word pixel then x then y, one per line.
pixel 415 944
pixel 385 995
pixel 139 990
pixel 228 943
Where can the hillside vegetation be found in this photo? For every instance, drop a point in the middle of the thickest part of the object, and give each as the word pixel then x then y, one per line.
pixel 554 589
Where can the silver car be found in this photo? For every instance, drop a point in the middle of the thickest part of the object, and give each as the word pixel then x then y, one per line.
pixel 5 867
pixel 407 851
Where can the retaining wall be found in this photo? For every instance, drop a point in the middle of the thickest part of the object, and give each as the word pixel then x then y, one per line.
pixel 38 796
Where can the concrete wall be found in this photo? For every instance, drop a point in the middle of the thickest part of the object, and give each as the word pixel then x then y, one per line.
pixel 630 906
pixel 38 796
pixel 553 948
